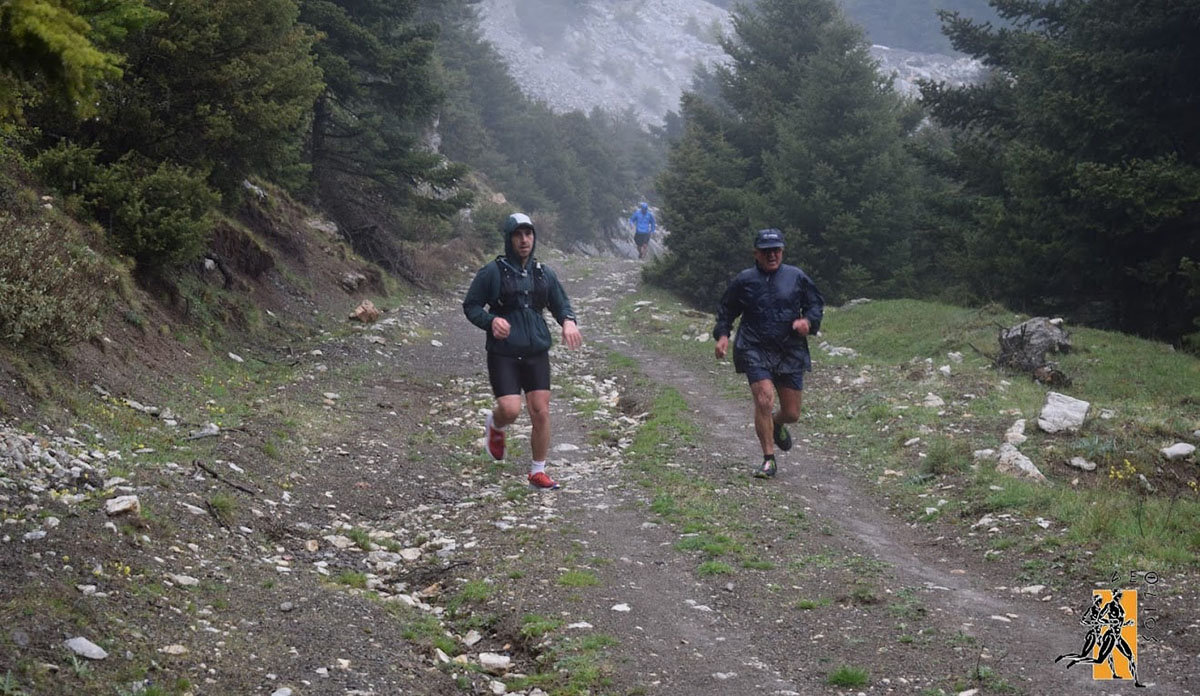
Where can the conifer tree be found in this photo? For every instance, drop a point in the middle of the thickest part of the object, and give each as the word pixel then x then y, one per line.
pixel 1083 158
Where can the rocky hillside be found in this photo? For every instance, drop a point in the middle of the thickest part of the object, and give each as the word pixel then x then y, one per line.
pixel 641 55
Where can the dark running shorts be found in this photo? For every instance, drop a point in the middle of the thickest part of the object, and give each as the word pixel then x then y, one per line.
pixel 793 380
pixel 641 238
pixel 511 375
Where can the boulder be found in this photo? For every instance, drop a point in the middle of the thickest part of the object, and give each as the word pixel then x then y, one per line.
pixel 1062 412
pixel 366 312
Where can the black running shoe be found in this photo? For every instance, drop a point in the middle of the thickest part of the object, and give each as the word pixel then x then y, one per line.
pixel 766 469
pixel 783 439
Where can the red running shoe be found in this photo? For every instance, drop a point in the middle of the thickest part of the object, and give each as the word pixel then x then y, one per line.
pixel 542 480
pixel 495 441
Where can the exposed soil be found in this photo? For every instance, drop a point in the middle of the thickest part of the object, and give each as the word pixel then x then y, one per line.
pixel 395 453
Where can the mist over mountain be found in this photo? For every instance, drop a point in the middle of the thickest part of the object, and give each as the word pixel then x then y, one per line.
pixel 640 55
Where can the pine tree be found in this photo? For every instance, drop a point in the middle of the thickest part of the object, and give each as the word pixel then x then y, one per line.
pixel 1084 159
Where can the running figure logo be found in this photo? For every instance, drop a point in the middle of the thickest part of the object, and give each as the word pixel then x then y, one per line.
pixel 1112 630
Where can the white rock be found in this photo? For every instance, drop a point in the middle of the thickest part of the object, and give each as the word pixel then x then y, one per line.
pixel 979 455
pixel 282 691
pixel 494 663
pixel 175 649
pixel 955 357
pixel 472 638
pixel 185 580
pixel 85 648
pixel 410 554
pixel 621 607
pixel 498 688
pixel 969 692
pixel 1012 462
pixel 123 503
pixel 566 447
pixel 945 370
pixel 1015 435
pixel 435 343
pixel 1062 412
pixel 1179 450
pixel 236 358
pixel 933 401
pixel 1082 464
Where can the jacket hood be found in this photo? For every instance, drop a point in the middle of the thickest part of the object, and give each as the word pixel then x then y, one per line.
pixel 510 225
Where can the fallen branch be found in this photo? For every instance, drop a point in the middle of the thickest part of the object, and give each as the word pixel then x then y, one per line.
pixel 204 467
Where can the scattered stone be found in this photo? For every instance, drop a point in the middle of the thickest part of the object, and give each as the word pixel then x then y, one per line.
pixel 175 649
pixel 1015 435
pixel 85 648
pixel 494 663
pixel 283 691
pixel 366 312
pixel 123 504
pixel 933 401
pixel 286 607
pixel 185 580
pixel 236 358
pixel 1179 450
pixel 1012 462
pixel 352 280
pixel 984 454
pixel 621 607
pixel 1082 464
pixel 209 430
pixel 472 638
pixel 1062 412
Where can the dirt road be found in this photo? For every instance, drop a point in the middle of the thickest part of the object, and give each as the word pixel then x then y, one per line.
pixel 351 538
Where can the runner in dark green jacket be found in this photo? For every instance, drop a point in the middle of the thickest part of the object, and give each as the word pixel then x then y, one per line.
pixel 506 299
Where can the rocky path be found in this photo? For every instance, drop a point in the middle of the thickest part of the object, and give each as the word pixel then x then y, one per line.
pixel 684 635
pixel 351 538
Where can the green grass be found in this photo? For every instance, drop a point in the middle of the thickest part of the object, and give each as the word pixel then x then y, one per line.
pixel 351 578
pixel 1148 387
pixel 709 568
pixel 578 578
pixel 360 537
pixel 848 676
pixel 809 604
pixel 535 626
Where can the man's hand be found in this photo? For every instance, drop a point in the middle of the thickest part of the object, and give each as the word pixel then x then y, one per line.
pixel 571 335
pixel 801 326
pixel 722 346
pixel 500 328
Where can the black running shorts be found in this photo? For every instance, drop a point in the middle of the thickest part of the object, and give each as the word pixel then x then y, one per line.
pixel 641 238
pixel 510 375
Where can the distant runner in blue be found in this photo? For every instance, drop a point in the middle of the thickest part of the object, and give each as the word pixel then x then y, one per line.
pixel 643 226
pixel 780 307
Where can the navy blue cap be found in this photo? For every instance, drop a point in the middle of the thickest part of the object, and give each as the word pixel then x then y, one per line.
pixel 768 239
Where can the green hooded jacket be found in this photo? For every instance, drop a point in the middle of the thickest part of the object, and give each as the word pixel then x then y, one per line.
pixel 519 293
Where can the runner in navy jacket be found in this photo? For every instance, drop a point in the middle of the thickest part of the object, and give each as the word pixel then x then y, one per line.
pixel 780 307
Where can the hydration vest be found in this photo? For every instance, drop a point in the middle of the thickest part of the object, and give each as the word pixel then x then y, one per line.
pixel 521 289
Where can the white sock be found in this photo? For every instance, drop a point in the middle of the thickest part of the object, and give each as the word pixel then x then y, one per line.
pixel 537 467
pixel 491 422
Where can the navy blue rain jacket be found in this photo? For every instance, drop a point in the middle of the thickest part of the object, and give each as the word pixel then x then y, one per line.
pixel 768 303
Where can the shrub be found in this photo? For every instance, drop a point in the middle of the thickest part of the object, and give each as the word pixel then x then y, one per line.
pixel 161 215
pixel 51 287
